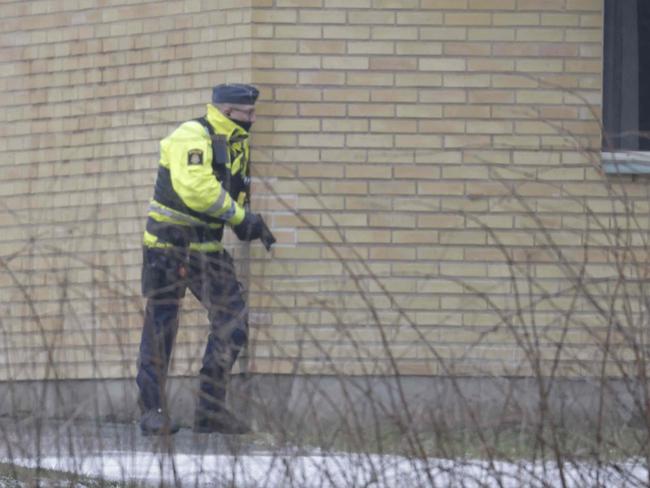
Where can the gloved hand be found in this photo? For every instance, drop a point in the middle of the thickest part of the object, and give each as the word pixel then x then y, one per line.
pixel 253 227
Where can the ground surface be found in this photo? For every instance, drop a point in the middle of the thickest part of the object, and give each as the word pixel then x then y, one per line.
pixel 118 453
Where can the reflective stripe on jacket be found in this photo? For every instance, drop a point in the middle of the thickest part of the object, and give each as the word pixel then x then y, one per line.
pixel 190 204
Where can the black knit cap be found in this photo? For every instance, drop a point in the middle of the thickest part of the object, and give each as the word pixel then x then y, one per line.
pixel 235 93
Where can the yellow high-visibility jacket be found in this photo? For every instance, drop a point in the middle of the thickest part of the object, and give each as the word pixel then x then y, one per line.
pixel 190 204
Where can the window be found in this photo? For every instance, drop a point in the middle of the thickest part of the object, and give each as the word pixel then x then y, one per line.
pixel 626 87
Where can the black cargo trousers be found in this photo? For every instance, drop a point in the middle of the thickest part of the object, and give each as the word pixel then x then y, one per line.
pixel 166 274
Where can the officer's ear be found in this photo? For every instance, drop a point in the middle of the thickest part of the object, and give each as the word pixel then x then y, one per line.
pixel 224 109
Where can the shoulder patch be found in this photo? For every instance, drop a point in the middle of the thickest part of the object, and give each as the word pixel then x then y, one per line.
pixel 195 157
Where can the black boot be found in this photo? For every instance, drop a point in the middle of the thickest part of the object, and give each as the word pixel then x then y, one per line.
pixel 222 421
pixel 157 422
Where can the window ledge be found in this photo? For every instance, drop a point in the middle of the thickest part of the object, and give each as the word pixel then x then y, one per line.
pixel 626 162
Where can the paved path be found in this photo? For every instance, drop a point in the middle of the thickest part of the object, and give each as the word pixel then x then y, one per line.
pixel 32 438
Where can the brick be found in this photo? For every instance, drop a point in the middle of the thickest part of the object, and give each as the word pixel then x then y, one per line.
pixel 419 111
pixel 492 4
pixel 371 110
pixel 347 4
pixel 588 5
pixel 466 141
pixel 321 140
pixel 466 80
pixel 438 95
pixel 370 79
pixel 299 32
pixel 274 16
pixel 468 18
pixel 540 34
pixel 491 65
pixel 368 171
pixel 295 62
pixel 490 34
pixel 345 95
pixel 558 5
pixel 299 3
pixel 588 51
pixel 560 19
pixel 275 108
pixel 392 253
pixel 320 78
pixel 418 172
pixel 583 66
pixel 374 17
pixel 393 95
pixel 346 32
pixel 466 111
pixel 520 142
pixel 461 237
pixel 371 47
pixel 513 81
pixel 540 97
pixel 489 127
pixel 396 4
pixel 275 77
pixel 318 171
pixel 491 96
pixel 367 140
pixel 541 65
pixel 534 127
pixel 393 63
pixel 467 49
pixel 392 188
pixel 296 125
pixel 563 50
pixel 416 237
pixel 343 125
pixel 301 95
pixel 420 18
pixel 322 47
pixel 442 64
pixel 516 19
pixel 345 62
pixel 322 17
pixel 368 236
pixel 418 141
pixel 418 47
pixel 397 33
pixel 418 79
pixel 444 4
pixel 441 126
pixel 515 49
pixel 441 221
pixel 587 20
pixel 292 155
pixel 443 33
pixel 393 126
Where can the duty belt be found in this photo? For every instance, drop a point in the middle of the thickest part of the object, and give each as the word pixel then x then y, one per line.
pixel 182 235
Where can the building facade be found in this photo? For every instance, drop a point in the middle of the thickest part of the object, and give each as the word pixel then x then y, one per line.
pixel 431 168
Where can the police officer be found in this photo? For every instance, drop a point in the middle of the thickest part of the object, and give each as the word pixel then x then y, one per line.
pixel 202 185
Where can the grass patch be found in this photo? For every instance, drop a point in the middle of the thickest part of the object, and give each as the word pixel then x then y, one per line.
pixel 508 443
pixel 13 476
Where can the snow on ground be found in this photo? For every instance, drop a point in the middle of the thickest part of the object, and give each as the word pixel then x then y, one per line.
pixel 273 470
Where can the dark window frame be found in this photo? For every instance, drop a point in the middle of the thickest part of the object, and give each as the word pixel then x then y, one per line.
pixel 626 125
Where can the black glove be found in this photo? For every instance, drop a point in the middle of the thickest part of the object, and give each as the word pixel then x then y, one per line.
pixel 253 227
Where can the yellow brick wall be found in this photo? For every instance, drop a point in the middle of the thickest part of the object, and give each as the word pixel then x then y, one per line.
pixel 416 143
pixel 88 89
pixel 415 159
